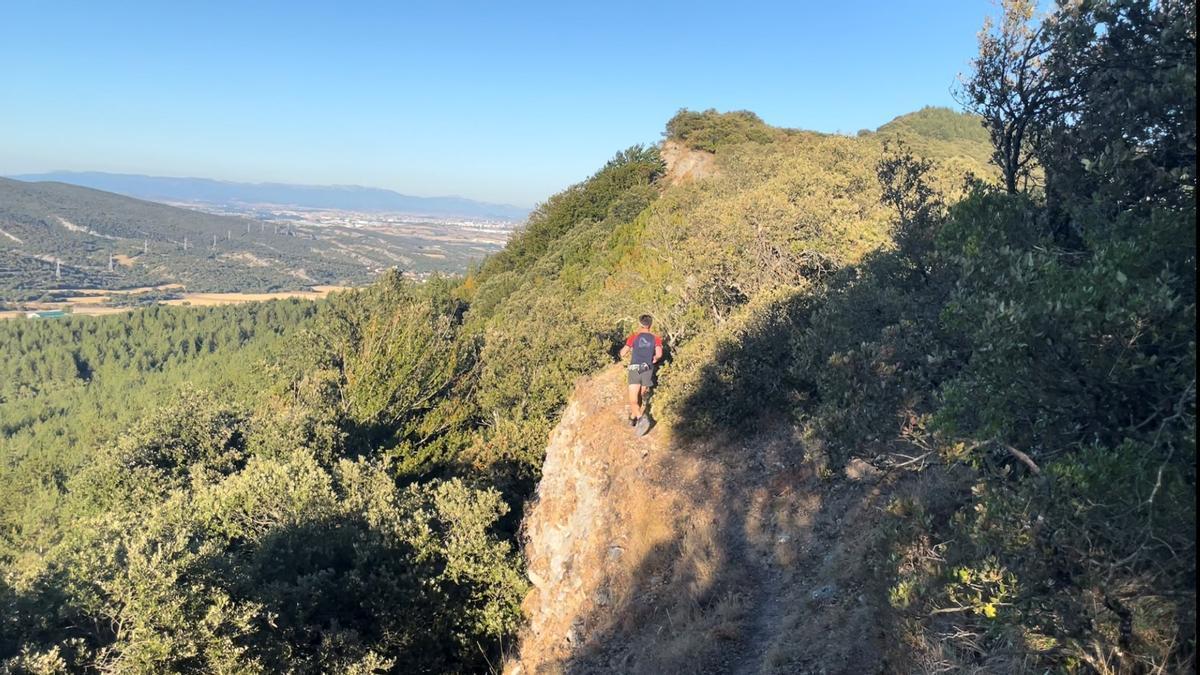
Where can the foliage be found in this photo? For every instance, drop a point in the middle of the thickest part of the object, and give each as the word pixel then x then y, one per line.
pixel 205 541
pixel 1132 151
pixel 72 385
pixel 710 130
pixel 1079 316
pixel 1009 88
pixel 621 189
pixel 1045 340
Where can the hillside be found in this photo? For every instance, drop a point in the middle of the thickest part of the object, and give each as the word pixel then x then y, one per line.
pixel 82 228
pixel 425 385
pixel 909 420
pixel 340 197
pixel 892 464
pixel 955 138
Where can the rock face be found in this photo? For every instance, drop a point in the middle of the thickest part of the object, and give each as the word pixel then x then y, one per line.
pixel 576 534
pixel 658 554
pixel 685 164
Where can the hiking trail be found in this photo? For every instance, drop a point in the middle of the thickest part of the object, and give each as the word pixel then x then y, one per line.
pixel 658 555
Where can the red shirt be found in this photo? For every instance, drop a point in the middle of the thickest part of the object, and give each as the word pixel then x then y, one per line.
pixel 629 340
pixel 643 349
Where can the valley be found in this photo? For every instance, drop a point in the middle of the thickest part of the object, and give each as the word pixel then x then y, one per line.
pixel 57 237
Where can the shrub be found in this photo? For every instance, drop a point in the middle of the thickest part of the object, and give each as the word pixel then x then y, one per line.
pixel 710 130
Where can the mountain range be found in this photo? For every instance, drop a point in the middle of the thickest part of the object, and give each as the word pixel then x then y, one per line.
pixel 340 197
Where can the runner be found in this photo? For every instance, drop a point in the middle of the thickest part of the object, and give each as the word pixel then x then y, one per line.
pixel 645 349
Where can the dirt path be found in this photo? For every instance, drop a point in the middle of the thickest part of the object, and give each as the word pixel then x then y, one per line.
pixel 660 555
pixel 769 613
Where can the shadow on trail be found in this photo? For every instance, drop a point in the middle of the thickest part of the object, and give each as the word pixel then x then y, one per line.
pixel 768 567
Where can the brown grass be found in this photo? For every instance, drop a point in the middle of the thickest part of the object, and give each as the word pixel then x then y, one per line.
pixel 203 299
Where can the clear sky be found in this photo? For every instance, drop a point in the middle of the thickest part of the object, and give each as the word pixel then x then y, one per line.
pixel 500 101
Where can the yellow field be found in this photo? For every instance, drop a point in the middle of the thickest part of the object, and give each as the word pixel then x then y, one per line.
pixel 91 302
pixel 234 298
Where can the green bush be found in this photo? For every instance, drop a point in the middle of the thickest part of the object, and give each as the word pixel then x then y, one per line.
pixel 710 130
pixel 285 565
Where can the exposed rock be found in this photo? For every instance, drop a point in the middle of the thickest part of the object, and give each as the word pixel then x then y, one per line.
pixel 861 470
pixel 685 164
pixel 601 598
pixel 575 532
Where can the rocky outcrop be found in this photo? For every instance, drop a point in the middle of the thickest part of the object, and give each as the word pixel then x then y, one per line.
pixel 685 164
pixel 585 524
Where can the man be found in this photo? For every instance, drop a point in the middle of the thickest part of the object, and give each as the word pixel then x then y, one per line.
pixel 645 349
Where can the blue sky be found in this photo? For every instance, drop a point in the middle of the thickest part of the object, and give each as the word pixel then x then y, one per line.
pixel 501 101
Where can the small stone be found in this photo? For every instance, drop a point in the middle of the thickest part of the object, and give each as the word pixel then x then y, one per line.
pixel 824 593
pixel 601 598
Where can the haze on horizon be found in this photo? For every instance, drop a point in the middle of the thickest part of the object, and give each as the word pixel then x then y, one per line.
pixel 499 103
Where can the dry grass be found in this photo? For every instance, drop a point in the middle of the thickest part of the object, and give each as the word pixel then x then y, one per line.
pixel 98 310
pixel 91 302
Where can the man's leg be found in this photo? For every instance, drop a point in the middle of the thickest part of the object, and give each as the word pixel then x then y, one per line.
pixel 635 408
pixel 643 399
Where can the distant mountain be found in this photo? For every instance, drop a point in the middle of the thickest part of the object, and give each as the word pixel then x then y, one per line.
pixel 343 197
pixel 106 240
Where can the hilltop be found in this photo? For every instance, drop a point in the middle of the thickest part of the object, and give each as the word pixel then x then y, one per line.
pixel 875 450
pixel 955 138
pixel 936 124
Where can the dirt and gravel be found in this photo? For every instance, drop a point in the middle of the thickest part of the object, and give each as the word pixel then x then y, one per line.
pixel 651 555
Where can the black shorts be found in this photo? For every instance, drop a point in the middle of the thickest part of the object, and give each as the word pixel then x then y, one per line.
pixel 641 374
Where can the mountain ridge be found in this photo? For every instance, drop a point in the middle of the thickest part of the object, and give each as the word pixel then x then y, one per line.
pixel 187 189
